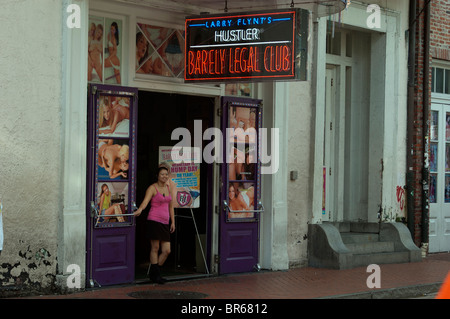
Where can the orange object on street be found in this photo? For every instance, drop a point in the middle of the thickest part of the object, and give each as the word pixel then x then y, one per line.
pixel 444 292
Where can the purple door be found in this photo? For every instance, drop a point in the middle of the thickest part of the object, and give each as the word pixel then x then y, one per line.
pixel 111 185
pixel 240 180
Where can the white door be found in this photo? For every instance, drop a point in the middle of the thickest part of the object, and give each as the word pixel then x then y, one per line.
pixel 328 210
pixel 439 193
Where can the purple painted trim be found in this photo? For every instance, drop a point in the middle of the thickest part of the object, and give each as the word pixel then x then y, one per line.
pixel 94 92
pixel 238 224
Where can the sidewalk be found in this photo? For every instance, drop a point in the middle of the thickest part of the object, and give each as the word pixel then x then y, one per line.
pixel 397 281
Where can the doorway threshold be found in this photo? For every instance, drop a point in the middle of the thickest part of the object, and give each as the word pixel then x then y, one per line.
pixel 176 278
pixel 186 277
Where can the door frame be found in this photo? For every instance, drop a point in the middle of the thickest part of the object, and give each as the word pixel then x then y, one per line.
pixel 247 227
pixel 126 229
pixel 437 240
pixel 329 154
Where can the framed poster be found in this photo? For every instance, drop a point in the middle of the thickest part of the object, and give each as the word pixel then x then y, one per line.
pixel 183 164
pixel 114 116
pixel 113 202
pixel 104 50
pixel 113 159
pixel 113 147
pixel 242 153
pixel 159 50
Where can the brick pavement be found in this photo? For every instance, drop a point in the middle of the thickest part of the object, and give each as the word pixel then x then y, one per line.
pixel 299 283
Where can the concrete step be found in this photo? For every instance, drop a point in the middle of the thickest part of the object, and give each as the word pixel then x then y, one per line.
pixel 371 247
pixel 357 227
pixel 380 258
pixel 357 238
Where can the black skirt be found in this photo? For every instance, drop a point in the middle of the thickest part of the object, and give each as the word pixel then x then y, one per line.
pixel 157 231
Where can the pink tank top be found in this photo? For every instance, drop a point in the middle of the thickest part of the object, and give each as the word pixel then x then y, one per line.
pixel 159 210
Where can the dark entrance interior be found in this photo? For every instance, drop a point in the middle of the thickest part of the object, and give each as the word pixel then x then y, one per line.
pixel 158 115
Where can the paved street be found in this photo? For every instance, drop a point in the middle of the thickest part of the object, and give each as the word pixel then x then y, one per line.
pixel 397 281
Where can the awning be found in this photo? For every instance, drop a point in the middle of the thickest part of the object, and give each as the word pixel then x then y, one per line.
pixel 319 8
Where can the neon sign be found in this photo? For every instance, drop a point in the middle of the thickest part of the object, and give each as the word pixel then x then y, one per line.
pixel 245 47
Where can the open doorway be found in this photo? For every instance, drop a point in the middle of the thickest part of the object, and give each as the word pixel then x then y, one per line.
pixel 158 115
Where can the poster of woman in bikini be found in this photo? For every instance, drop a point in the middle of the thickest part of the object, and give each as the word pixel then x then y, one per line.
pixel 113 51
pixel 95 49
pixel 112 199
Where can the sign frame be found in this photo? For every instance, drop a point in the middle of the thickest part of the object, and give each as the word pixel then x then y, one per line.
pixel 245 47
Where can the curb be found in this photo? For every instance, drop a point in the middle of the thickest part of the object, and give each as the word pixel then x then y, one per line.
pixel 392 293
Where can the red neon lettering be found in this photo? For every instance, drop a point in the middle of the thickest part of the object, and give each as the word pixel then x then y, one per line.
pixel 242 61
pixel 280 61
pixel 211 61
pixel 257 60
pixel 272 62
pixel 198 69
pixel 250 65
pixel 239 61
pixel 216 64
pixel 222 60
pixel 191 65
pixel 278 58
pixel 204 61
pixel 266 58
pixel 236 60
pixel 230 64
pixel 286 58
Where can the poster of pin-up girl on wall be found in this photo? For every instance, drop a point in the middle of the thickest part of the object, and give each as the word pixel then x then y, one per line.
pixel 112 199
pixel 112 159
pixel 95 50
pixel 242 120
pixel 159 50
pixel 241 200
pixel 104 50
pixel 113 51
pixel 114 116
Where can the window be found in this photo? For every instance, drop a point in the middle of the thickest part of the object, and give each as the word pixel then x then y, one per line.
pixel 105 50
pixel 159 51
pixel 440 80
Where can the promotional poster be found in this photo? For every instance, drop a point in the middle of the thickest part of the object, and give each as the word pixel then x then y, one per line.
pixel 184 167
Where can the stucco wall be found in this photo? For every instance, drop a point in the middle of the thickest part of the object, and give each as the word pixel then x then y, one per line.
pixel 30 126
pixel 299 160
pixel 303 105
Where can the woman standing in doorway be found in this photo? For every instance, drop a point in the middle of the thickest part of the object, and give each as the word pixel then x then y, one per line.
pixel 161 214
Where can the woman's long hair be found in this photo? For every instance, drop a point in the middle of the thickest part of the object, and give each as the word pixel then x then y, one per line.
pixel 116 35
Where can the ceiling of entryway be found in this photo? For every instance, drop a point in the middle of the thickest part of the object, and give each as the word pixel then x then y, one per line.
pixel 323 7
pixel 233 5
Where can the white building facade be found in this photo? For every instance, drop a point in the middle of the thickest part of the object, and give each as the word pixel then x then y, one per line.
pixel 342 151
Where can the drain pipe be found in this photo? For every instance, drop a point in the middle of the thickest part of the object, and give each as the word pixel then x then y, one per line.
pixel 425 118
pixel 410 174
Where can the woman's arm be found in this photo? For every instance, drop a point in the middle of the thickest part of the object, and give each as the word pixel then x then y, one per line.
pixel 172 215
pixel 148 196
pixel 102 198
pixel 113 126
